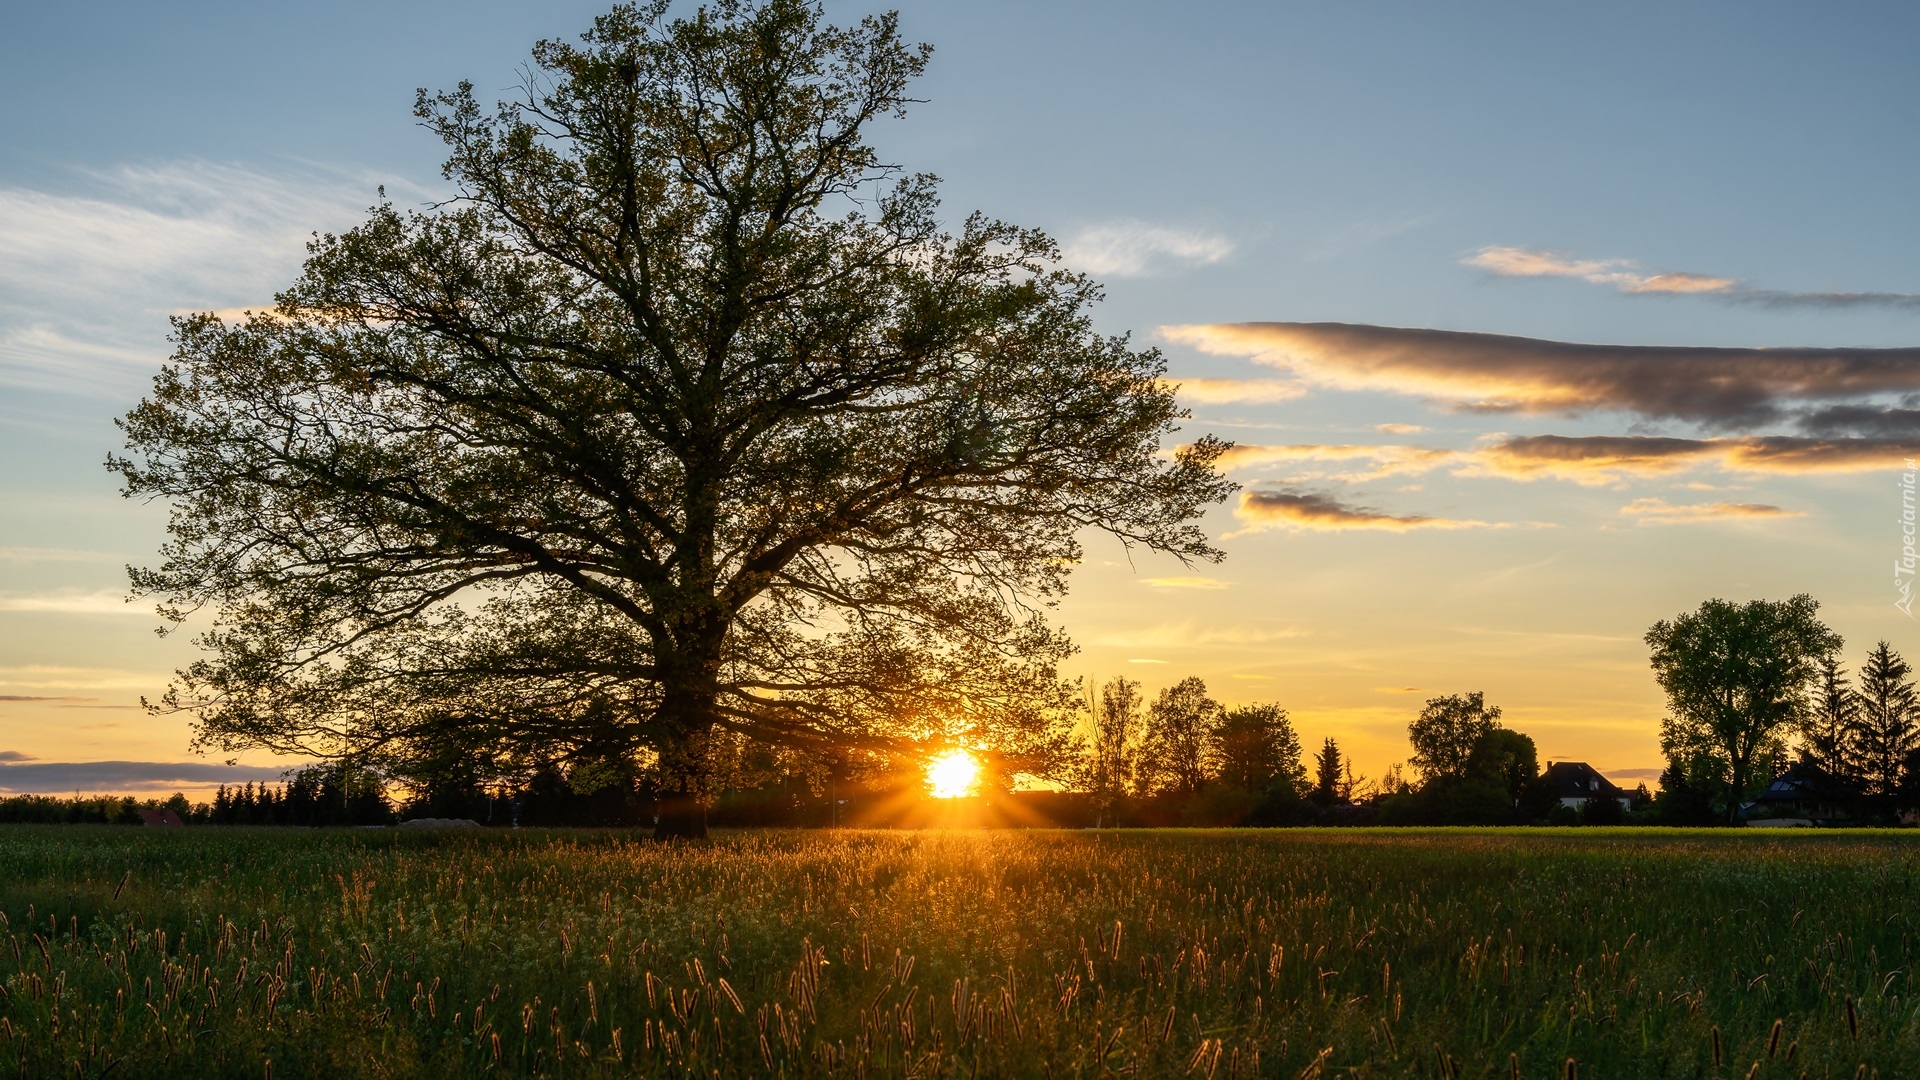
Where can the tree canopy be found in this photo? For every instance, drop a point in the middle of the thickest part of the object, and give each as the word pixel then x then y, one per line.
pixel 1888 729
pixel 1256 747
pixel 1446 731
pixel 1177 751
pixel 686 415
pixel 1737 678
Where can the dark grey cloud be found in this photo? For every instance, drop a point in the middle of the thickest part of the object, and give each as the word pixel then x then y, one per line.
pixel 1840 301
pixel 1722 388
pixel 30 697
pixel 1882 422
pixel 15 755
pixel 1307 510
pixel 123 777
pixel 1605 459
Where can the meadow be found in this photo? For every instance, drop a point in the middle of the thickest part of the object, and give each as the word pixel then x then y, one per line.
pixel 1440 953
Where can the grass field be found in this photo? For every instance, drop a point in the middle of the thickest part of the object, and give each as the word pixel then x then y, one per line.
pixel 231 952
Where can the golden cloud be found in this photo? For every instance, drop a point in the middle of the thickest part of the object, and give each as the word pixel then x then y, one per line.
pixel 1236 391
pixel 1683 283
pixel 1623 274
pixel 1260 510
pixel 1728 387
pixel 1380 460
pixel 1607 459
pixel 1662 512
pixel 1183 583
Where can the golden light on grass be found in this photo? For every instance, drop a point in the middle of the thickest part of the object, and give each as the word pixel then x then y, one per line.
pixel 953 775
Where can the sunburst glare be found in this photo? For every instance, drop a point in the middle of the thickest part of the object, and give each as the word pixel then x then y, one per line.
pixel 953 775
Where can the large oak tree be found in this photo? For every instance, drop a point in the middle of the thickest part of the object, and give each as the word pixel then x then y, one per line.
pixel 687 416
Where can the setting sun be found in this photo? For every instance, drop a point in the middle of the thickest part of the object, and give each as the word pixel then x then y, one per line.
pixel 953 774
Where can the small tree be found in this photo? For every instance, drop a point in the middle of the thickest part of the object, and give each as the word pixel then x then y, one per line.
pixel 1446 731
pixel 1330 771
pixel 1689 785
pixel 1177 754
pixel 1830 738
pixel 1737 676
pixel 1506 760
pixel 1887 732
pixel 1116 726
pixel 1256 747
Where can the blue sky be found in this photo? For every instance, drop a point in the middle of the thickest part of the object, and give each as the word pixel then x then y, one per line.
pixel 1618 174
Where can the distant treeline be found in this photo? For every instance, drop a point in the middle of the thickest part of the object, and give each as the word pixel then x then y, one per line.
pixel 1182 760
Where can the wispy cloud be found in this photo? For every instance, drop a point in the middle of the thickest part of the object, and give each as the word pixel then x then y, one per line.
pixel 1184 583
pixel 125 777
pixel 1137 249
pixel 1236 391
pixel 15 755
pixel 89 274
pixel 1399 429
pixel 73 602
pixel 1662 512
pixel 38 554
pixel 36 697
pixel 58 678
pixel 1259 510
pixel 1720 387
pixel 1622 274
pixel 1373 461
pixel 1597 460
pixel 1627 276
pixel 1192 633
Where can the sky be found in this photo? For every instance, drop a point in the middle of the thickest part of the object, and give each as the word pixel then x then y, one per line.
pixel 1534 324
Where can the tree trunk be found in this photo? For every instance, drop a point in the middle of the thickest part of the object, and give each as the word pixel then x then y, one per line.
pixel 685 722
pixel 682 815
pixel 1739 791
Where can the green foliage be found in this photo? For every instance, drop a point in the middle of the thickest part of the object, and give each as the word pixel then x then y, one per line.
pixel 196 953
pixel 1330 770
pixel 1691 791
pixel 1176 755
pixel 87 810
pixel 1738 678
pixel 1256 748
pixel 1602 811
pixel 1116 739
pixel 1830 736
pixel 1887 727
pixel 1446 731
pixel 1506 760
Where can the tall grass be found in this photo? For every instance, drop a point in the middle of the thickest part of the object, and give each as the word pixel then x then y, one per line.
pixel 1379 953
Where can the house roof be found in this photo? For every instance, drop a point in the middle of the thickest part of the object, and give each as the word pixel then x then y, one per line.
pixel 1579 780
pixel 1802 780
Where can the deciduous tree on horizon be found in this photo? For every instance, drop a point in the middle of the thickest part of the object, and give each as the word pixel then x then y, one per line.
pixel 1447 730
pixel 1255 747
pixel 685 414
pixel 1116 736
pixel 1737 678
pixel 1176 754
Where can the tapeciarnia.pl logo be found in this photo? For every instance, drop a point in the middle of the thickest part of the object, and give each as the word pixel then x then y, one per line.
pixel 1903 567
